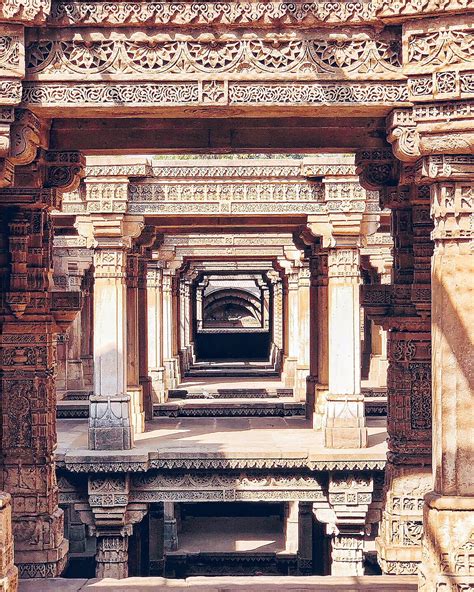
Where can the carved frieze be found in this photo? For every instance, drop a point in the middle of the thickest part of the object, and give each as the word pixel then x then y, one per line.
pixel 359 55
pixel 195 14
pixel 43 94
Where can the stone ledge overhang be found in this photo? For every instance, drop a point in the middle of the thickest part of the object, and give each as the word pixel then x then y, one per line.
pixel 87 461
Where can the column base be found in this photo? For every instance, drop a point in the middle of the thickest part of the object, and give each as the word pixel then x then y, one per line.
pixel 399 544
pixel 157 376
pixel 47 563
pixel 75 375
pixel 170 534
pixel 109 423
pixel 345 422
pixel 347 555
pixel 137 409
pixel 40 546
pixel 300 383
pixel 448 544
pixel 171 373
pixel 288 375
pixel 145 383
pixel 112 557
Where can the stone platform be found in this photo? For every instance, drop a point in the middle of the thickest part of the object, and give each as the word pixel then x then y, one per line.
pixel 235 442
pixel 228 584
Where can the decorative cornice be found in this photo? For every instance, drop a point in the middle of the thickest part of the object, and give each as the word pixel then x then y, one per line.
pixel 88 464
pixel 197 14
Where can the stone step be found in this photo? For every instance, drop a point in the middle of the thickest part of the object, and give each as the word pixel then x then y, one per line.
pixel 76 409
pixel 228 584
pixel 235 393
pixel 231 373
pixel 229 408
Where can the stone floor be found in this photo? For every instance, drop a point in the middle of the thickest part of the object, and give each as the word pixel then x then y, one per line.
pixel 229 438
pixel 225 534
pixel 229 584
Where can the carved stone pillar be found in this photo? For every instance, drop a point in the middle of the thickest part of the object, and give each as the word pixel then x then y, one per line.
pixel 111 517
pixel 350 495
pixel 347 553
pixel 134 389
pixel 155 330
pixel 291 527
pixel 292 328
pixel 111 413
pixel 276 300
pixel 305 538
pixel 345 421
pixel 72 262
pixel 112 556
pixel 302 367
pixel 170 526
pixel 170 320
pixel 448 517
pixel 144 378
pixel 8 571
pixel 319 368
pixel 403 309
pixel 31 317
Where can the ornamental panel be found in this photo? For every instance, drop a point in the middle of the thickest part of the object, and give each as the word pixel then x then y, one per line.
pixel 347 55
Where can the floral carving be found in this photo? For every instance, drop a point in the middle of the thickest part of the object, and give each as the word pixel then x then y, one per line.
pixel 357 55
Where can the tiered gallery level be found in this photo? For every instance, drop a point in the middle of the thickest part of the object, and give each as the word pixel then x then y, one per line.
pixel 237 365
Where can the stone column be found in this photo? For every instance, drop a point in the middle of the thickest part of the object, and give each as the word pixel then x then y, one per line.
pixel 448 517
pixel 155 330
pixel 144 378
pixel 8 571
pixel 111 418
pixel 74 362
pixel 170 527
pixel 345 421
pixel 317 386
pixel 112 556
pixel 87 325
pixel 31 317
pixel 276 300
pixel 305 538
pixel 302 367
pixel 292 327
pixel 291 527
pixel 170 361
pixel 350 496
pixel 134 389
pixel 403 309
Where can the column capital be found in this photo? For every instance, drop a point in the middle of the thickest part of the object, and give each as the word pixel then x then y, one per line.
pixel 109 230
pixel 344 262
